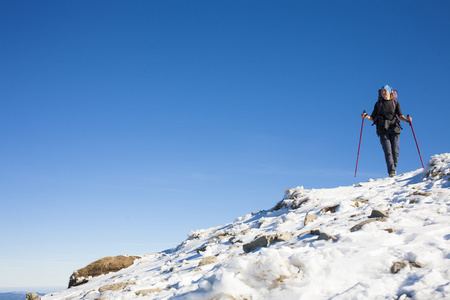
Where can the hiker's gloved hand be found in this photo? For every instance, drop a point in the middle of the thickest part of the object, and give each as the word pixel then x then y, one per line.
pixel 409 119
pixel 363 115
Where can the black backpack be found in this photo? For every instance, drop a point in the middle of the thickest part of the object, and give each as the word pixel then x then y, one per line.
pixel 378 104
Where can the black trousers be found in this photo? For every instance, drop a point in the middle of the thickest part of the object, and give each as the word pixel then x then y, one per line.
pixel 391 148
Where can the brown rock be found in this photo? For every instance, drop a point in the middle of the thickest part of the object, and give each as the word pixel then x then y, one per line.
pixel 100 267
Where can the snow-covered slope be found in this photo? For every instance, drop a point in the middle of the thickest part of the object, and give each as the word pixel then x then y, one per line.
pixel 353 246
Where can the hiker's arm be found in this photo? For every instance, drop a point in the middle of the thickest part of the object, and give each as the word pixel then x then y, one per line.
pixel 366 116
pixel 408 119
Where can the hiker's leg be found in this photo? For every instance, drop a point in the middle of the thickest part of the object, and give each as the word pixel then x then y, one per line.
pixel 387 148
pixel 395 144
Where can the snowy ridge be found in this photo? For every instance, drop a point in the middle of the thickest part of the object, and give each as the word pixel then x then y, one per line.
pixel 382 239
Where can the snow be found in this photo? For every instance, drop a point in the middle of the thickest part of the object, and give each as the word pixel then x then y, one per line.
pixel 355 266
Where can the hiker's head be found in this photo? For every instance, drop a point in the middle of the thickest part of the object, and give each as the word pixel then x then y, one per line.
pixel 386 92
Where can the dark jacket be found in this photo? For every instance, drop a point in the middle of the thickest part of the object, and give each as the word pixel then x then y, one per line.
pixel 386 117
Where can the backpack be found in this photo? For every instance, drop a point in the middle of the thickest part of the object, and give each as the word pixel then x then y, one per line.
pixel 378 104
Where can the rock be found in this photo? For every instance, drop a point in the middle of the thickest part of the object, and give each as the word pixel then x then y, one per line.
pixel 304 233
pixel 326 237
pixel 310 218
pixel 263 241
pixel 32 296
pixel 359 201
pixel 365 222
pixel 116 286
pixel 420 193
pixel 315 232
pixel 360 225
pixel 330 209
pixel 100 267
pixel 417 265
pixel 267 240
pixel 397 266
pixel 149 291
pixel 234 240
pixel 283 236
pixel 208 260
pixel 378 214
pixel 201 249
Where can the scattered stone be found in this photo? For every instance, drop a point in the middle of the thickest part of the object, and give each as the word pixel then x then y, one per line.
pixel 201 249
pixel 378 214
pixel 397 266
pixel 358 202
pixel 235 240
pixel 283 236
pixel 390 230
pixel 420 193
pixel 116 286
pixel 360 225
pixel 417 265
pixel 356 215
pixel 310 218
pixel 32 296
pixel 304 233
pixel 150 291
pixel 330 209
pixel 267 240
pixel 102 266
pixel 326 237
pixel 315 232
pixel 263 241
pixel 208 260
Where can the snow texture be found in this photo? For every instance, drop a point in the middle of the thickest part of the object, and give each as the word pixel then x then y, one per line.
pixel 401 256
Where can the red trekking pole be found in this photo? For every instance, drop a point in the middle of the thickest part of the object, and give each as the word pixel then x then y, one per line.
pixel 360 136
pixel 410 124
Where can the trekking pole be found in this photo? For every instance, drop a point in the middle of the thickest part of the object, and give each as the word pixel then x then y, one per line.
pixel 360 136
pixel 410 124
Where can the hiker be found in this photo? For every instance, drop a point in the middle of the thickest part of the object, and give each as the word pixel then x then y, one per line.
pixel 386 115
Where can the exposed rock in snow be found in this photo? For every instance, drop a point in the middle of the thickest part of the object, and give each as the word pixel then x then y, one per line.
pixel 102 266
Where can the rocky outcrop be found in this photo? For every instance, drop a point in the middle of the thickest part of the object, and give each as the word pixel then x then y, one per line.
pixel 32 296
pixel 437 167
pixel 293 199
pixel 100 267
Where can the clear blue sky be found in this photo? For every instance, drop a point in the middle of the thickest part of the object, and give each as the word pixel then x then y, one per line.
pixel 127 124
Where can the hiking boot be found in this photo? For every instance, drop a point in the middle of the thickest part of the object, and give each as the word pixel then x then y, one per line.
pixel 392 174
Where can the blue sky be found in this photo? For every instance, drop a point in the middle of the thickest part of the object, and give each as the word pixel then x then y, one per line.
pixel 127 124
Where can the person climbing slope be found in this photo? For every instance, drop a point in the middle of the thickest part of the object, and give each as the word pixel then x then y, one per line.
pixel 386 115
